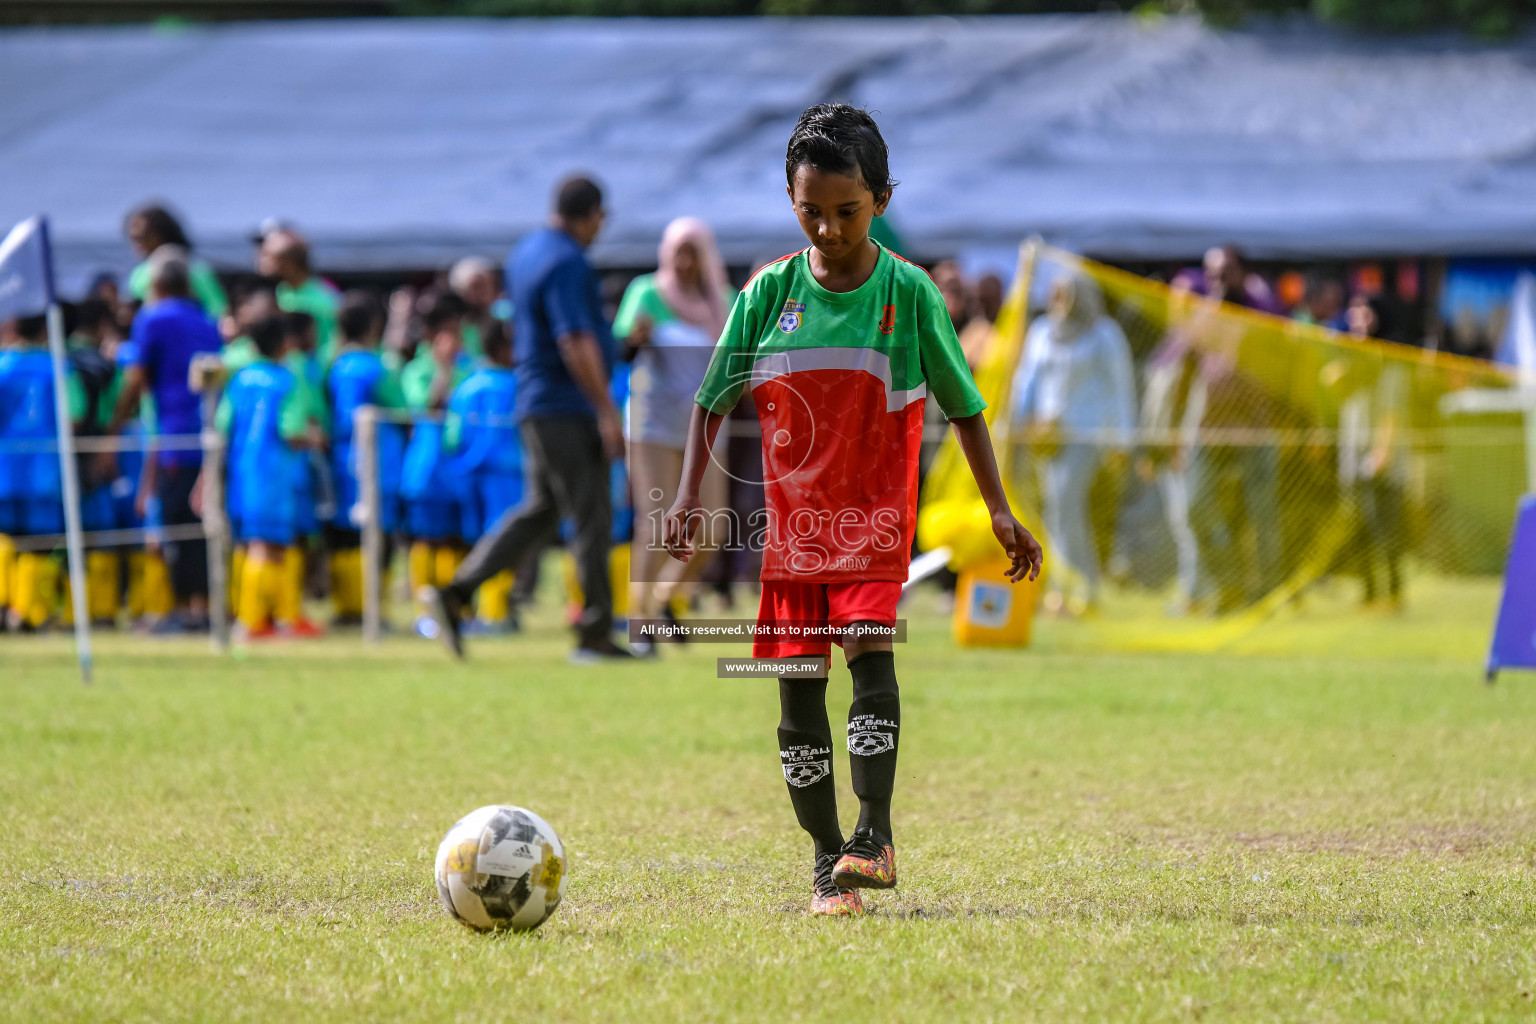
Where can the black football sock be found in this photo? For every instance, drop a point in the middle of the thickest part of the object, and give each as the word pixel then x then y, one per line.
pixel 874 720
pixel 805 751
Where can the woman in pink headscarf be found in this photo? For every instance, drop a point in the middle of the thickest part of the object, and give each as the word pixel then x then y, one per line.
pixel 669 322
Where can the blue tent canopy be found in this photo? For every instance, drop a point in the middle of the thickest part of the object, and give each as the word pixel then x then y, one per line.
pixel 406 143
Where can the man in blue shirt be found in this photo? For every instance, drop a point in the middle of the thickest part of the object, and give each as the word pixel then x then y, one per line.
pixel 167 335
pixel 571 429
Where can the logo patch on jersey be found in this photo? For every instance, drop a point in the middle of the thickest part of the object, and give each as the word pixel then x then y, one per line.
pixel 789 316
pixel 888 320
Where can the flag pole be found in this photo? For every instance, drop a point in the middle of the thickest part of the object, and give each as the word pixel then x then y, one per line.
pixel 68 469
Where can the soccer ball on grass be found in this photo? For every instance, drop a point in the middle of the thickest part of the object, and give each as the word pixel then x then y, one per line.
pixel 500 867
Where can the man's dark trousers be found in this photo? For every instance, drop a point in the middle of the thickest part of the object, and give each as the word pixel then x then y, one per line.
pixel 187 560
pixel 567 476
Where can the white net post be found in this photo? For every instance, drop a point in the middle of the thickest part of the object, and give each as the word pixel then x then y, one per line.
pixel 70 481
pixel 367 515
pixel 206 378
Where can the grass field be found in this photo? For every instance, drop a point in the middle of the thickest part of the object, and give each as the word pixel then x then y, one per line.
pixel 1340 832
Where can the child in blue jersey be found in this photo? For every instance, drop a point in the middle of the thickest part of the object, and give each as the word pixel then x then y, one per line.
pixel 359 377
pixel 430 498
pixel 91 329
pixel 264 416
pixel 487 464
pixel 31 484
pixel 311 480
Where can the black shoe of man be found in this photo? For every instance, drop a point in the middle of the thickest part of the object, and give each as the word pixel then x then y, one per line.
pixel 446 609
pixel 597 652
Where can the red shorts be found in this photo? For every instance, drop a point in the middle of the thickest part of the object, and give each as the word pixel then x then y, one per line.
pixel 802 604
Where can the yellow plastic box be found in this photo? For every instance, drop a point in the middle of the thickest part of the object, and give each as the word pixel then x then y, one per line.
pixel 992 611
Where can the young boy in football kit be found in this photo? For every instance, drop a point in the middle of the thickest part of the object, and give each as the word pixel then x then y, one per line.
pixel 840 344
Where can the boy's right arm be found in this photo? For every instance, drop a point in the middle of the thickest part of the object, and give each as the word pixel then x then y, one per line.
pixel 723 384
pixel 682 519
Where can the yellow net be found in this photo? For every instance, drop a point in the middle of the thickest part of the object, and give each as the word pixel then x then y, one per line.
pixel 1196 467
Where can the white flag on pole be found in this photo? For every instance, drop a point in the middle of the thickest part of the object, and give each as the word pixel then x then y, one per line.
pixel 25 282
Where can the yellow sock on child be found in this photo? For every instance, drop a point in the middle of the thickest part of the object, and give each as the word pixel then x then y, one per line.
pixel 36 588
pixel 7 569
pixel 101 585
pixel 494 601
pixel 347 581
pixel 421 566
pixel 159 598
pixel 289 605
pixel 255 607
pixel 237 559
pixel 446 561
pixel 133 600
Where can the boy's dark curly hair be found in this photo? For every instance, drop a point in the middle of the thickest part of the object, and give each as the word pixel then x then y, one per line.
pixel 841 139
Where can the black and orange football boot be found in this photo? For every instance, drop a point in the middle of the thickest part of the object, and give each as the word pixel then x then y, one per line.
pixel 829 899
pixel 868 861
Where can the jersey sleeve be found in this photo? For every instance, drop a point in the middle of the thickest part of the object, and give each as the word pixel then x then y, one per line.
pixel 208 291
pixel 453 419
pixel 949 379
pixel 319 408
pixel 294 415
pixel 640 299
pixel 416 383
pixel 224 415
pixel 730 368
pixel 74 396
pixel 387 393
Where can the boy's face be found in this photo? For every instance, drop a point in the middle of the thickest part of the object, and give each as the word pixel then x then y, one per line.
pixel 834 210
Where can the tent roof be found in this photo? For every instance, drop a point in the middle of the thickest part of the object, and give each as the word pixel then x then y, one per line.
pixel 399 143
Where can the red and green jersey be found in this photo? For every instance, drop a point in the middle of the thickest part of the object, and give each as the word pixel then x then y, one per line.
pixel 839 380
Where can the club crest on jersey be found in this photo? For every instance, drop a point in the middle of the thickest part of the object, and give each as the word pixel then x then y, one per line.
pixel 789 316
pixel 887 319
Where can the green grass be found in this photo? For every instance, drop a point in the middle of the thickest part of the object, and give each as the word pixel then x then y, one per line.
pixel 1316 836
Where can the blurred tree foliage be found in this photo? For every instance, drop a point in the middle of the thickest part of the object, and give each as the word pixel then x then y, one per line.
pixel 1482 17
pixel 719 8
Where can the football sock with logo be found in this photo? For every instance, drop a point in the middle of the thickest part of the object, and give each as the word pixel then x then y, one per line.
pixel 874 720
pixel 805 752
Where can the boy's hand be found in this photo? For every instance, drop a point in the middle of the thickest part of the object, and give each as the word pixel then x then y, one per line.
pixel 1022 548
pixel 679 527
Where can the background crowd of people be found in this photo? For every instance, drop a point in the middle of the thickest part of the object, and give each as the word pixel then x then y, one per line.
pixel 546 376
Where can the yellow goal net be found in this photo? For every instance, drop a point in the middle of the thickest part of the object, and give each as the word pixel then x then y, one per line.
pixel 1196 467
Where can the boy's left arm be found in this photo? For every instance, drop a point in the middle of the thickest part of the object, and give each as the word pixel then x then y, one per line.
pixel 1022 548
